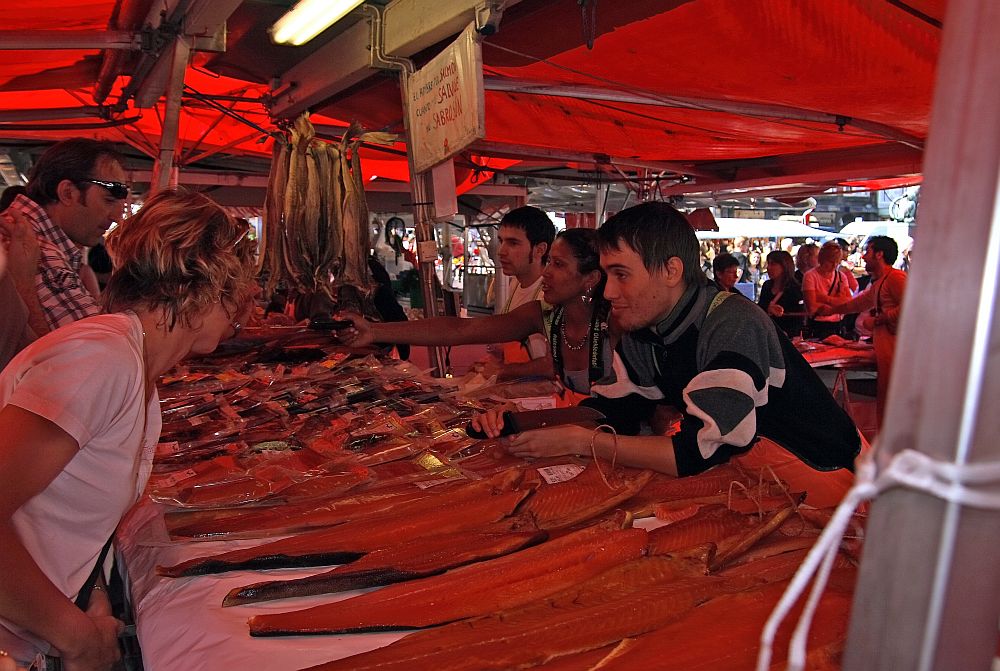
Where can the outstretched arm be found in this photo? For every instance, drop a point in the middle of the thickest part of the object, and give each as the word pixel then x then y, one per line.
pixel 655 452
pixel 515 325
pixel 37 450
pixel 863 301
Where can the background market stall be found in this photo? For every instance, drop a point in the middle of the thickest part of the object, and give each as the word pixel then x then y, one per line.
pixel 667 100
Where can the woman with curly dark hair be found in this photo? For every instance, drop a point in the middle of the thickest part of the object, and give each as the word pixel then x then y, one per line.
pixel 576 326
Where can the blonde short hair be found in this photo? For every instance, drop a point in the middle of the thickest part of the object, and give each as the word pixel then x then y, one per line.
pixel 181 253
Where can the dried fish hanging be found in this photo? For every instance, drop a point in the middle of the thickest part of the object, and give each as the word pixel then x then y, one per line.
pixel 316 220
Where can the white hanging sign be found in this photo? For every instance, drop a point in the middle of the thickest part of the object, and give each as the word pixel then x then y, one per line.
pixel 445 106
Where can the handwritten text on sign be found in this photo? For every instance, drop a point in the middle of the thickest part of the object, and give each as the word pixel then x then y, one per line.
pixel 445 105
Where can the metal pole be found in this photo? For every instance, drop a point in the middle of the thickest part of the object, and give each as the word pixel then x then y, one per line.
pixel 425 234
pixel 164 173
pixel 126 40
pixel 928 596
pixel 418 181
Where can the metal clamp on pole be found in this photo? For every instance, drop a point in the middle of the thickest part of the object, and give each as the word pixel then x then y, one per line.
pixel 488 17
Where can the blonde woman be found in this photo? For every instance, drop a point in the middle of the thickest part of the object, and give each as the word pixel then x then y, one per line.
pixel 827 284
pixel 79 418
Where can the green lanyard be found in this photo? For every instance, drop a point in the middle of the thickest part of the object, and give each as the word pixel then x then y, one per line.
pixel 596 336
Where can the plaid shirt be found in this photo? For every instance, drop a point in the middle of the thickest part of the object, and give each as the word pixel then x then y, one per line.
pixel 60 290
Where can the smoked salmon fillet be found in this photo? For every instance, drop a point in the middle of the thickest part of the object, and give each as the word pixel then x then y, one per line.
pixel 724 633
pixel 534 638
pixel 363 505
pixel 349 541
pixel 497 584
pixel 710 523
pixel 587 495
pixel 414 559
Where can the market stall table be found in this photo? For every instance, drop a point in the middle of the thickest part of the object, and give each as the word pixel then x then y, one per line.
pixel 846 358
pixel 820 354
pixel 181 624
pixel 329 406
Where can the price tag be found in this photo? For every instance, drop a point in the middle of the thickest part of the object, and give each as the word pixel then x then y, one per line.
pixel 168 448
pixel 427 484
pixel 560 473
pixel 179 476
pixel 427 251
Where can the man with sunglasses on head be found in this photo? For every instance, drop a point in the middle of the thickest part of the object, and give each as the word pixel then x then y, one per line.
pixel 76 191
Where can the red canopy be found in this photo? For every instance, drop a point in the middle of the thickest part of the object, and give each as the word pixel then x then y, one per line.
pixel 713 94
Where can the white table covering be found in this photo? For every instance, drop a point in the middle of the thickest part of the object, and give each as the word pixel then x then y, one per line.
pixel 181 624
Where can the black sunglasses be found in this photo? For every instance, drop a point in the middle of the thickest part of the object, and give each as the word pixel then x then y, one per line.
pixel 117 190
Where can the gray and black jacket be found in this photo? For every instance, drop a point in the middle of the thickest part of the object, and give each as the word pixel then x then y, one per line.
pixel 721 362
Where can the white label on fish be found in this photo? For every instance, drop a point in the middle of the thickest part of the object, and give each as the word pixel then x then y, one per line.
pixel 179 476
pixel 560 473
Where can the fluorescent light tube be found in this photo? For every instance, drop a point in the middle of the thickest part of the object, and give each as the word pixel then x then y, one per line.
pixel 308 18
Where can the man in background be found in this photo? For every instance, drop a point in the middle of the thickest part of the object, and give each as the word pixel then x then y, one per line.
pixel 726 269
pixel 525 236
pixel 75 192
pixel 880 304
pixel 741 248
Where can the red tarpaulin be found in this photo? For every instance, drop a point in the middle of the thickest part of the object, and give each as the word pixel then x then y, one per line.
pixel 859 71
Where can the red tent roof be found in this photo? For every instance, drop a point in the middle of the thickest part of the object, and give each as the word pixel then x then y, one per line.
pixel 724 92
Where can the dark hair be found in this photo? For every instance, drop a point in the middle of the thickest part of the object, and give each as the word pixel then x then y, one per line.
pixel 395 231
pixel 656 232
pixel 783 259
pixel 99 259
pixel 886 245
pixel 583 243
pixel 9 194
pixel 724 262
pixel 72 159
pixel 537 226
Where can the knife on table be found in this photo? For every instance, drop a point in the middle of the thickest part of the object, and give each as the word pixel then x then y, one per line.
pixel 516 422
pixel 330 324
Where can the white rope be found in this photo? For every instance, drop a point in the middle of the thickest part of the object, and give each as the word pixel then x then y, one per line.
pixel 908 468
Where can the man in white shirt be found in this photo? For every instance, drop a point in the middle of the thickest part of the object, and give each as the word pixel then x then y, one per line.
pixel 525 236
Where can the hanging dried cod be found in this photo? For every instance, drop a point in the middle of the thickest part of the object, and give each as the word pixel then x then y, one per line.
pixel 354 275
pixel 316 219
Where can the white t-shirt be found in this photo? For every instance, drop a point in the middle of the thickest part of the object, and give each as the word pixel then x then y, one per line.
pixel 837 286
pixel 14 330
pixel 87 378
pixel 537 345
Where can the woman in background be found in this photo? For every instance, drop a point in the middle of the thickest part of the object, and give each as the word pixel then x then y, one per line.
pixel 827 284
pixel 806 258
pixel 781 296
pixel 577 327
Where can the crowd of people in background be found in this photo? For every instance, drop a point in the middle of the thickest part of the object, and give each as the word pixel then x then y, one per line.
pixel 752 256
pixel 759 268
